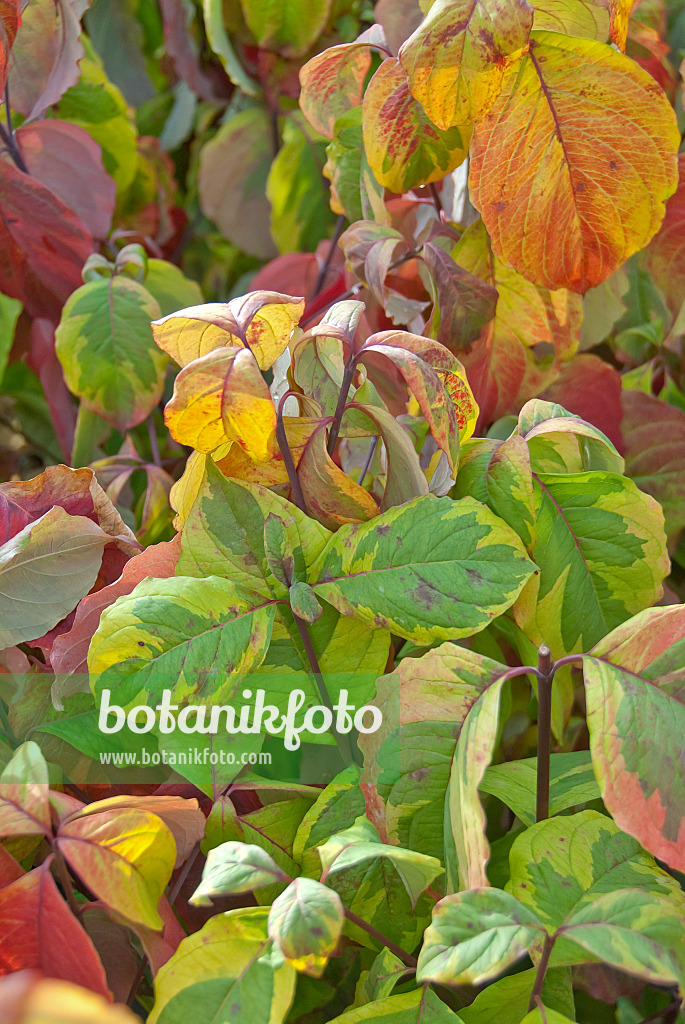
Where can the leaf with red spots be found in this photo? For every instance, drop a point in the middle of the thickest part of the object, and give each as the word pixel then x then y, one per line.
pixel 560 211
pixel 635 692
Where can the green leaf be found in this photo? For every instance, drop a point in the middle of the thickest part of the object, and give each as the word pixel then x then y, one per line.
pixel 474 936
pixel 561 442
pixel 225 973
pixel 506 1001
pixel 404 477
pixel 45 570
pixel 9 314
pixel 545 1016
pixel 170 287
pixel 105 345
pixel 419 1007
pixel 235 867
pixel 197 637
pixel 560 865
pixel 353 184
pixel 290 29
pixel 431 569
pixel 636 717
pixel 303 602
pixel 379 981
pixel 220 43
pixel 601 550
pixel 498 473
pixel 300 213
pixel 572 782
pixel 336 809
pixel 305 923
pixel 277 549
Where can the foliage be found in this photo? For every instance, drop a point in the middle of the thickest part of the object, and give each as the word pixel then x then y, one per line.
pixel 341 354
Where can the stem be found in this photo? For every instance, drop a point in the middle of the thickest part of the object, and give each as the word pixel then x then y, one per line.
pixel 541 972
pixel 7 728
pixel 342 739
pixel 288 461
pixel 342 402
pixel 349 294
pixel 545 674
pixel 137 980
pixel 84 438
pixel 400 953
pixel 9 138
pixel 436 198
pixel 183 874
pixel 154 443
pixel 339 227
pixel 369 459
pixel 65 882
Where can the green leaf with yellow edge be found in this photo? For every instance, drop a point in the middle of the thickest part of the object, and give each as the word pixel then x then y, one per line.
pixel 419 1007
pixel 386 971
pixel 24 803
pixel 278 549
pixel 601 550
pixel 563 864
pixel 107 351
pixel 263 321
pixel 124 858
pixel 305 923
pixel 224 973
pixel 303 602
pixel 336 809
pixel 456 58
pixel 197 637
pixel 474 936
pixel 561 442
pixel 235 867
pixel 634 685
pixel 354 189
pixel 498 473
pixel 425 590
pixel 562 213
pixel 404 477
pixel 506 1001
pixel 572 782
pixel 45 570
pixel 300 212
pixel 404 148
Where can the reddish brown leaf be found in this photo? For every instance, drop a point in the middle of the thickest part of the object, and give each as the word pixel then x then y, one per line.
pixel 330 495
pixel 44 362
pixel 113 944
pixel 590 388
pixel 160 946
pixel 464 304
pixel 70 650
pixel 181 47
pixel 43 244
pixel 666 251
pixel 654 434
pixel 65 158
pixel 45 55
pixel 10 869
pixel 9 23
pixel 39 931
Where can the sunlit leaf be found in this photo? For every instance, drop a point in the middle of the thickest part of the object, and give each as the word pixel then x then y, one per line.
pixel 24 806
pixel 332 83
pixel 419 1007
pixel 235 867
pixel 572 782
pixel 306 923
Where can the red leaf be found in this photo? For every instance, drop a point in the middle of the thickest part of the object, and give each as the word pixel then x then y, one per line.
pixel 70 650
pixel 46 54
pixel 43 244
pixel 666 251
pixel 590 388
pixel 10 869
pixel 9 23
pixel 45 364
pixel 37 930
pixel 64 157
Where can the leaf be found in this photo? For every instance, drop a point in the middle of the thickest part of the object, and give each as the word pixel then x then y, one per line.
pixel 506 1001
pixel 232 176
pixel 220 43
pixel 456 59
pixel 201 635
pixel 106 348
pixel 403 147
pixel 499 474
pixel 9 314
pixel 634 691
pixel 10 17
pixel 543 1015
pixel 424 591
pixel 619 15
pixel 655 454
pixel 24 805
pixel 45 56
pixel 419 1007
pixel 43 244
pixel 235 867
pixel 588 584
pixel 49 1001
pixel 330 495
pixel 475 935
pixel 587 18
pixel 590 388
pixel 64 158
pixel 38 931
pixel 303 602
pixel 125 859
pixel 168 285
pixel 666 252
pixel 354 190
pixel 305 923
pixel 223 397
pixel 578 243
pixel 572 782
pixel 404 476
pixel 266 320
pixel 300 212
pixel 332 82
pixel 464 304
pixel 562 865
pixel 45 570
pixel 224 973
pixel 560 441
pixel 289 29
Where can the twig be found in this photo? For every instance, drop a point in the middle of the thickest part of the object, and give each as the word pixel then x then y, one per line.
pixel 339 227
pixel 137 980
pixel 400 953
pixel 183 874
pixel 541 972
pixel 9 138
pixel 668 1015
pixel 437 203
pixel 342 402
pixel 288 461
pixel 545 676
pixel 369 459
pixel 154 443
pixel 65 882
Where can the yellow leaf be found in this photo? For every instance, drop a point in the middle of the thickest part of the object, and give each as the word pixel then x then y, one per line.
pixel 28 999
pixel 330 495
pixel 619 16
pixel 588 187
pixel 247 409
pixel 265 320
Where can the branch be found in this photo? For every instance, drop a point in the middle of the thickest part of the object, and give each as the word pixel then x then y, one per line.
pixel 400 953
pixel 339 227
pixel 288 461
pixel 545 674
pixel 541 972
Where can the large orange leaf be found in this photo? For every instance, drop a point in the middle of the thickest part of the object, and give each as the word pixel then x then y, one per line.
pixel 125 859
pixel 403 147
pixel 456 58
pixel 574 162
pixel 37 930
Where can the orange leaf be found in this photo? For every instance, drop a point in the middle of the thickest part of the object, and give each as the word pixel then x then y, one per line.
pixel 588 187
pixel 619 16
pixel 333 81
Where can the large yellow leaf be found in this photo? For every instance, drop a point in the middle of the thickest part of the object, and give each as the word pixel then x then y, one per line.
pixel 456 58
pixel 403 147
pixel 265 320
pixel 574 162
pixel 26 998
pixel 223 397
